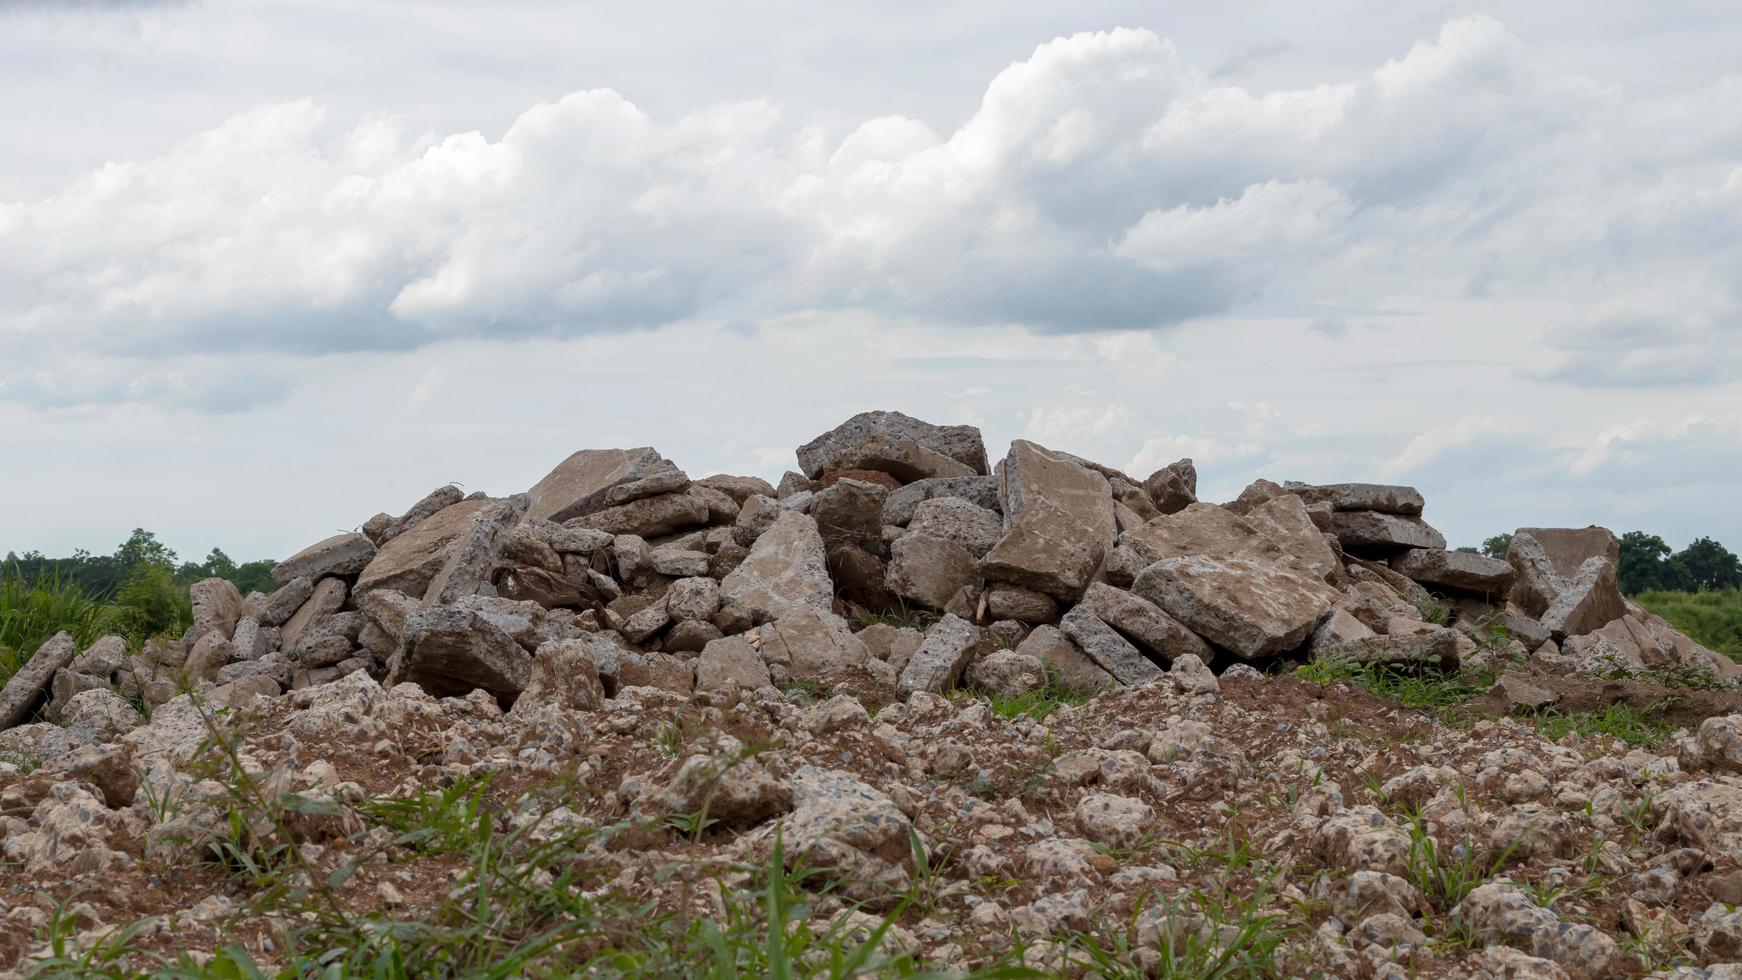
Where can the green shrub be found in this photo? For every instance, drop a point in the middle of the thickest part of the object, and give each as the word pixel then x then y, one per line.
pixel 1711 618
pixel 152 603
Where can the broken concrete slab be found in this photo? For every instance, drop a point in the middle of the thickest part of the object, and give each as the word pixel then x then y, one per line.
pixel 1060 522
pixel 1435 647
pixel 1102 644
pixel 410 561
pixel 1459 571
pixel 901 445
pixel 592 480
pixel 1073 668
pixel 1369 530
pixel 1384 498
pixel 649 517
pixel 27 688
pixel 981 491
pixel 928 571
pixel 786 570
pixel 731 661
pixel 341 554
pixel 938 663
pixel 474 557
pixel 217 605
pixel 1246 606
pixel 1145 623
pixel 449 650
pixel 1174 487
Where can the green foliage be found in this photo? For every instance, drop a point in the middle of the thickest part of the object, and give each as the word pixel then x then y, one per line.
pixel 138 592
pixel 911 617
pixel 1199 936
pixel 1646 563
pixel 1437 613
pixel 442 822
pixel 1630 725
pixel 152 603
pixel 1711 618
pixel 104 576
pixel 33 610
pixel 1416 688
pixel 1709 565
pixel 1444 876
pixel 1497 546
pixel 806 691
pixel 143 548
pixel 1036 703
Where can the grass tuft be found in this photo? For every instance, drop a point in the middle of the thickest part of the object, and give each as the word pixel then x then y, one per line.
pixel 1416 688
pixel 1631 725
pixel 1036 703
pixel 903 616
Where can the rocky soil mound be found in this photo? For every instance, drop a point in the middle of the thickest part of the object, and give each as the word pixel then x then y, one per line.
pixel 905 711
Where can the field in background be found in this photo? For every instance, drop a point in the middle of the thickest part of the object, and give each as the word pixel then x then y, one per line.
pixel 1712 618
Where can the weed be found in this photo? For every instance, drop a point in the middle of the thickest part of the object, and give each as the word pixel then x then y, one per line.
pixel 1492 632
pixel 806 691
pixel 676 735
pixel 1445 877
pixel 1434 612
pixel 1233 853
pixel 443 822
pixel 902 617
pixel 98 960
pixel 1199 937
pixel 1630 725
pixel 1637 814
pixel 25 764
pixel 1036 703
pixel 1416 688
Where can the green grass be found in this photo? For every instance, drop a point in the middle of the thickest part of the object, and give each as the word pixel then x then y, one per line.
pixel 440 822
pixel 1416 688
pixel 1198 936
pixel 1444 876
pixel 1036 703
pixel 1713 619
pixel 33 611
pixel 903 616
pixel 1630 725
pixel 1435 612
pixel 806 691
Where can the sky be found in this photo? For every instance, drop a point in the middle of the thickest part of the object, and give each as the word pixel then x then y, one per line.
pixel 268 268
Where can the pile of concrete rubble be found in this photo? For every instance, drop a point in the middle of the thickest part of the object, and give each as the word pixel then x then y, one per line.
pixel 895 558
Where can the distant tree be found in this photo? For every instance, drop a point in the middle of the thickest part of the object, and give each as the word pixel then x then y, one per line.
pixel 1466 549
pixel 143 548
pixel 254 576
pixel 1709 565
pixel 220 565
pixel 1646 563
pixel 1497 546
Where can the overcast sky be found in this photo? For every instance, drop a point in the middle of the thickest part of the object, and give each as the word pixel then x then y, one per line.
pixel 267 268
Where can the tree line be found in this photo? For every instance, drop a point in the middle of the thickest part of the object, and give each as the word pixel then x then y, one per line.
pixel 144 577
